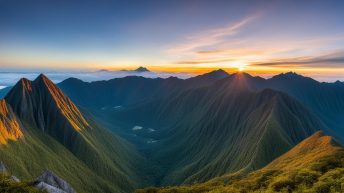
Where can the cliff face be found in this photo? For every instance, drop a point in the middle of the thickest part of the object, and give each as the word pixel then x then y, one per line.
pixel 10 127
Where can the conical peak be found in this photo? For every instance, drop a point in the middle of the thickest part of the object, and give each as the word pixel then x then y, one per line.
pixel 42 76
pixel 44 93
pixel 43 79
pixel 24 84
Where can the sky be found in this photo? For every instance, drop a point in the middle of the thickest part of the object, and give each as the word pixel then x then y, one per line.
pixel 259 37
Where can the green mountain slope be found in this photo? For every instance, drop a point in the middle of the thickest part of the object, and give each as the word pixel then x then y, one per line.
pixel 314 165
pixel 225 127
pixel 56 136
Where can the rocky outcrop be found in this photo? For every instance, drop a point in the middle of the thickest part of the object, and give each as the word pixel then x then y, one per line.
pixel 52 184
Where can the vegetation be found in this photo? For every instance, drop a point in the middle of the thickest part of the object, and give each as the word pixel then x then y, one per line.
pixel 323 176
pixel 316 165
pixel 8 185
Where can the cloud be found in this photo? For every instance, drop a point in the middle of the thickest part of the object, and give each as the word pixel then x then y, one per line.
pixel 10 78
pixel 211 37
pixel 331 60
pixel 203 61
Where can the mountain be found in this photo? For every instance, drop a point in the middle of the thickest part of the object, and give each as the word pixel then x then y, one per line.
pixel 308 151
pixel 314 165
pixel 52 133
pixel 141 69
pixel 225 127
pixel 191 118
pixel 39 101
pixel 324 99
pixel 100 95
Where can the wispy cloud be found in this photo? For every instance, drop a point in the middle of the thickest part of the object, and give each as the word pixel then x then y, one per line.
pixel 211 37
pixel 203 61
pixel 333 59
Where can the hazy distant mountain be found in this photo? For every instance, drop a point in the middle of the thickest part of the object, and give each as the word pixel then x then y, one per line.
pixel 131 90
pixel 52 133
pixel 141 69
pixel 314 165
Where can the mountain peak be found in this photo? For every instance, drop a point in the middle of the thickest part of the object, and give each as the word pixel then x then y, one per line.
pixel 288 75
pixel 42 76
pixel 141 69
pixel 312 148
pixel 35 101
pixel 210 76
pixel 218 73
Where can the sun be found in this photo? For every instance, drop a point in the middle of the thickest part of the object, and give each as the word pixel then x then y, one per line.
pixel 239 65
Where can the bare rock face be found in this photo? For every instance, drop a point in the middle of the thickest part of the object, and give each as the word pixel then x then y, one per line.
pixel 53 184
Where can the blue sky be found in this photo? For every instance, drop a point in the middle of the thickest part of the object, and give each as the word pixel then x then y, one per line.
pixel 261 36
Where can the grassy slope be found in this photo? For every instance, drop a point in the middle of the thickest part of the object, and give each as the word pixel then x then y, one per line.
pixel 315 166
pixel 27 158
pixel 57 137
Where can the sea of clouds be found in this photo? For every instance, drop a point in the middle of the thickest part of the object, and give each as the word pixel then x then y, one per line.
pixel 10 78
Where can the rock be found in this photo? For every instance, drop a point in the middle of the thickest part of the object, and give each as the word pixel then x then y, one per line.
pixel 14 178
pixel 49 178
pixel 49 188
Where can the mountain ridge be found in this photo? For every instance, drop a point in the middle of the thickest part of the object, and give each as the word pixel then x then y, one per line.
pixel 55 128
pixel 301 169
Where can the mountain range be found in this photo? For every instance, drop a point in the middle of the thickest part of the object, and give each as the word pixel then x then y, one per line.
pixel 215 130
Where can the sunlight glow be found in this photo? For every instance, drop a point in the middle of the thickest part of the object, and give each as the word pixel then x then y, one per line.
pixel 239 65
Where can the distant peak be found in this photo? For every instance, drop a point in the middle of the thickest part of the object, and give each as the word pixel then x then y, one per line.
pixel 216 74
pixel 289 75
pixel 142 69
pixel 242 75
pixel 103 70
pixel 43 78
pixel 219 72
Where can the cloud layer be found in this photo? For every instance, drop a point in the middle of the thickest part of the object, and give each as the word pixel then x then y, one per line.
pixel 10 78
